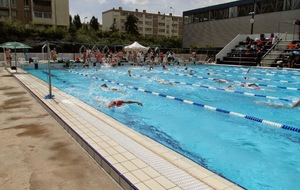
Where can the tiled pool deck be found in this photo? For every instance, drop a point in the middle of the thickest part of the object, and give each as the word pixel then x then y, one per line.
pixel 133 160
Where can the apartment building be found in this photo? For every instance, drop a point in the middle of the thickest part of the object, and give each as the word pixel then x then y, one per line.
pixel 148 23
pixel 38 12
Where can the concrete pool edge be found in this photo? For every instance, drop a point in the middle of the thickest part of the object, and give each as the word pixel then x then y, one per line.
pixel 193 169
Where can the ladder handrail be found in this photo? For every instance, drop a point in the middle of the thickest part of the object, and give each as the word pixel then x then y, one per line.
pixel 277 42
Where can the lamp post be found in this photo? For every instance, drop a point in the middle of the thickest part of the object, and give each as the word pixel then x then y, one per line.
pixel 252 21
pixel 252 16
pixel 172 20
pixel 85 26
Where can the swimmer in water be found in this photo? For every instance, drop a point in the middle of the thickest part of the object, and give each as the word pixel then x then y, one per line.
pixel 280 105
pixel 112 89
pixel 164 82
pixel 119 103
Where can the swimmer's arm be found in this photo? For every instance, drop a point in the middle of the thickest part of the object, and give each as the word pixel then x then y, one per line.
pixel 133 102
pixel 296 104
pixel 116 90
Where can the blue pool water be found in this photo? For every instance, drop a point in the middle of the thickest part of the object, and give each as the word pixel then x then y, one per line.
pixel 252 154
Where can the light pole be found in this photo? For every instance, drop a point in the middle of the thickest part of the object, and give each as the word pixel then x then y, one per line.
pixel 85 26
pixel 252 21
pixel 172 20
pixel 252 16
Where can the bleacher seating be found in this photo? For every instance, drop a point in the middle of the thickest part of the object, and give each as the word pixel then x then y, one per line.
pixel 240 56
pixel 285 53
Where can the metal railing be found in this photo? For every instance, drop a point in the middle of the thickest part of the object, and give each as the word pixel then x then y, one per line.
pixel 273 46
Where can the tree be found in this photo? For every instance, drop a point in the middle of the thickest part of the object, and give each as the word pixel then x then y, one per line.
pixel 70 20
pixel 113 28
pixel 94 24
pixel 77 22
pixel 131 25
pixel 72 28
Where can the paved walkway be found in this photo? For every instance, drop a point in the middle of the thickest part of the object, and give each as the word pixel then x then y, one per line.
pixel 36 152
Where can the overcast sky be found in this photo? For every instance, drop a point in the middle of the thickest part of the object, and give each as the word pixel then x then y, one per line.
pixel 89 8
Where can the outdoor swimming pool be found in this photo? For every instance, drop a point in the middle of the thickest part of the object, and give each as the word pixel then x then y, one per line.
pixel 251 153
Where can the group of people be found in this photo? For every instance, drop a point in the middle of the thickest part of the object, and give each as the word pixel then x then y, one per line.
pixel 254 86
pixel 256 47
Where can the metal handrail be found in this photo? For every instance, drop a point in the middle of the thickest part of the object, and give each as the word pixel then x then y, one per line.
pixel 273 46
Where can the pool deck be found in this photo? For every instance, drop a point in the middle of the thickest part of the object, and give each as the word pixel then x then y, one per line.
pixel 133 160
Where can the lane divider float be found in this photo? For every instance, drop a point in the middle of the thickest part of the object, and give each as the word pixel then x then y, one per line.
pixel 218 88
pixel 270 123
pixel 209 78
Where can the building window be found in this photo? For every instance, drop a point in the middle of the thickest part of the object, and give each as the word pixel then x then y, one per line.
pixel 244 10
pixel 42 14
pixel 233 12
pixel 47 15
pixel 14 3
pixel 139 15
pixel 161 17
pixel 14 13
pixel 38 14
pixel 27 14
pixel 149 16
pixel 188 19
pixel 219 14
pixel 26 3
pixel 3 3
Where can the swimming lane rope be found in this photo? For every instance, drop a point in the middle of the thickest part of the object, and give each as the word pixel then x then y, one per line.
pixel 254 78
pixel 217 88
pixel 270 123
pixel 199 77
pixel 263 72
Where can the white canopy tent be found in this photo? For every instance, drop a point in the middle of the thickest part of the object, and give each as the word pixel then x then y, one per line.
pixel 136 47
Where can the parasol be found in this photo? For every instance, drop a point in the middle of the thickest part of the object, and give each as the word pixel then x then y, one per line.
pixel 15 46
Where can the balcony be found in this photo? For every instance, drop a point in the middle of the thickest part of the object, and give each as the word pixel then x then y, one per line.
pixel 42 8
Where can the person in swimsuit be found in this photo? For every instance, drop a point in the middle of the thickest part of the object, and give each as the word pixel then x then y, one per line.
pixel 8 56
pixel 248 85
pixel 296 104
pixel 112 89
pixel 220 80
pixel 164 82
pixel 281 106
pixel 192 72
pixel 119 103
pixel 129 73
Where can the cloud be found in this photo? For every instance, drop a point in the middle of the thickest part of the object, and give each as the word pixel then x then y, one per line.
pixel 102 1
pixel 136 2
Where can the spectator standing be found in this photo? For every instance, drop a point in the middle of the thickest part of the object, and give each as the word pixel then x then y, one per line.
pixel 8 56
